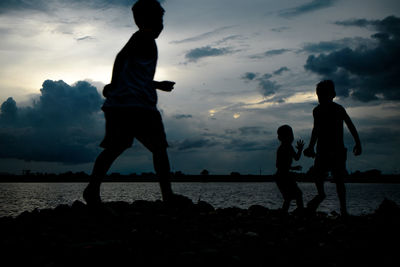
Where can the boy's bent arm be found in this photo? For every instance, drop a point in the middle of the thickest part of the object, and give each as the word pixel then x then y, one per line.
pixel 354 133
pixel 309 151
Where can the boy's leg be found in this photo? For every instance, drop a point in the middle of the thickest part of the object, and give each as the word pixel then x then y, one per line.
pixel 316 201
pixel 103 162
pixel 299 198
pixel 341 191
pixel 286 205
pixel 162 168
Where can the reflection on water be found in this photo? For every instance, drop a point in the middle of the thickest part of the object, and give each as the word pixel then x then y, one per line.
pixel 362 198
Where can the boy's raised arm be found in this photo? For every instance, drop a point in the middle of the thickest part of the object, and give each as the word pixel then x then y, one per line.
pixel 357 148
pixel 165 86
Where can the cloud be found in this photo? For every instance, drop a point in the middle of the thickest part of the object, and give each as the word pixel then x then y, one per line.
pixel 266 86
pixel 388 25
pixel 249 76
pixel 252 130
pixel 280 71
pixel 270 53
pixel 85 38
pixel 207 51
pixel 280 29
pixel 62 125
pixel 19 5
pixel 312 6
pixel 202 36
pixel 330 46
pixel 364 73
pixel 194 143
pixel 245 145
pixel 46 5
pixel 183 116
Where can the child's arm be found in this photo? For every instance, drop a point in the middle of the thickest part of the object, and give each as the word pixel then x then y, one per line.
pixel 165 86
pixel 357 148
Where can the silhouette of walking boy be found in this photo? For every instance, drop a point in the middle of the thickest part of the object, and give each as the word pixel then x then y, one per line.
pixel 284 178
pixel 130 106
pixel 331 153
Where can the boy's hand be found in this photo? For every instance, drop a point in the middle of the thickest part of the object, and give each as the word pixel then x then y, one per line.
pixel 165 86
pixel 309 152
pixel 357 150
pixel 300 145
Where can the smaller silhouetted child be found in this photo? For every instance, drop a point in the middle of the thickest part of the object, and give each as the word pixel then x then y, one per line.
pixel 285 179
pixel 331 154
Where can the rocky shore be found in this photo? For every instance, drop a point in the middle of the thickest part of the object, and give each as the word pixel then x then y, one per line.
pixel 145 233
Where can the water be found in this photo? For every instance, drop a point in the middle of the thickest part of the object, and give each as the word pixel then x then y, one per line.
pixel 362 198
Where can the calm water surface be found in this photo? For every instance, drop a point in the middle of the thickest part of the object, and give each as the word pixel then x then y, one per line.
pixel 362 198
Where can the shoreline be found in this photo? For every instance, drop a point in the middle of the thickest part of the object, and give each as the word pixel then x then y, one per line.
pixel 194 234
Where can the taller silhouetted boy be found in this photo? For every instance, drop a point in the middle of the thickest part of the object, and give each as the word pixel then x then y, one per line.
pixel 131 98
pixel 328 135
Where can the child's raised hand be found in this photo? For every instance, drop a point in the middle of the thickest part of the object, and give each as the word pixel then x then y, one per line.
pixel 300 144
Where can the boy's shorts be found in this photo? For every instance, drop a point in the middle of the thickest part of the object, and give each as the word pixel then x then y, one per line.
pixel 334 162
pixel 125 124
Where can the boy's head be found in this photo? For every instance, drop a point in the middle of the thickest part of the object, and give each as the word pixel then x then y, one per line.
pixel 148 16
pixel 326 91
pixel 285 134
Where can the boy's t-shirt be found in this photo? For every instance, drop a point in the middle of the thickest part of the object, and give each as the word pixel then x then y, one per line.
pixel 328 122
pixel 133 75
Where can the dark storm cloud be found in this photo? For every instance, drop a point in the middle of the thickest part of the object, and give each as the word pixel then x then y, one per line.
pixel 206 51
pixel 307 8
pixel 270 53
pixel 266 86
pixel 60 126
pixel 365 74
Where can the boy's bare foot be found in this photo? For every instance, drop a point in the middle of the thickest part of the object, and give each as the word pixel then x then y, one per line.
pixel 91 195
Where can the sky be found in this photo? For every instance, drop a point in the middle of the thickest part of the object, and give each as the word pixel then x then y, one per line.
pixel 242 69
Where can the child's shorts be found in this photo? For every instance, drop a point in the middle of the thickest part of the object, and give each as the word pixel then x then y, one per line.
pixel 288 187
pixel 123 125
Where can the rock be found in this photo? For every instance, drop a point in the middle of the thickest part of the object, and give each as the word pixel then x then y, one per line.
pixel 154 232
pixel 204 207
pixel 388 208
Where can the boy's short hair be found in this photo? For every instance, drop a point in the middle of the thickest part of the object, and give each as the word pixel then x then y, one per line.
pixel 145 12
pixel 284 131
pixel 326 88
